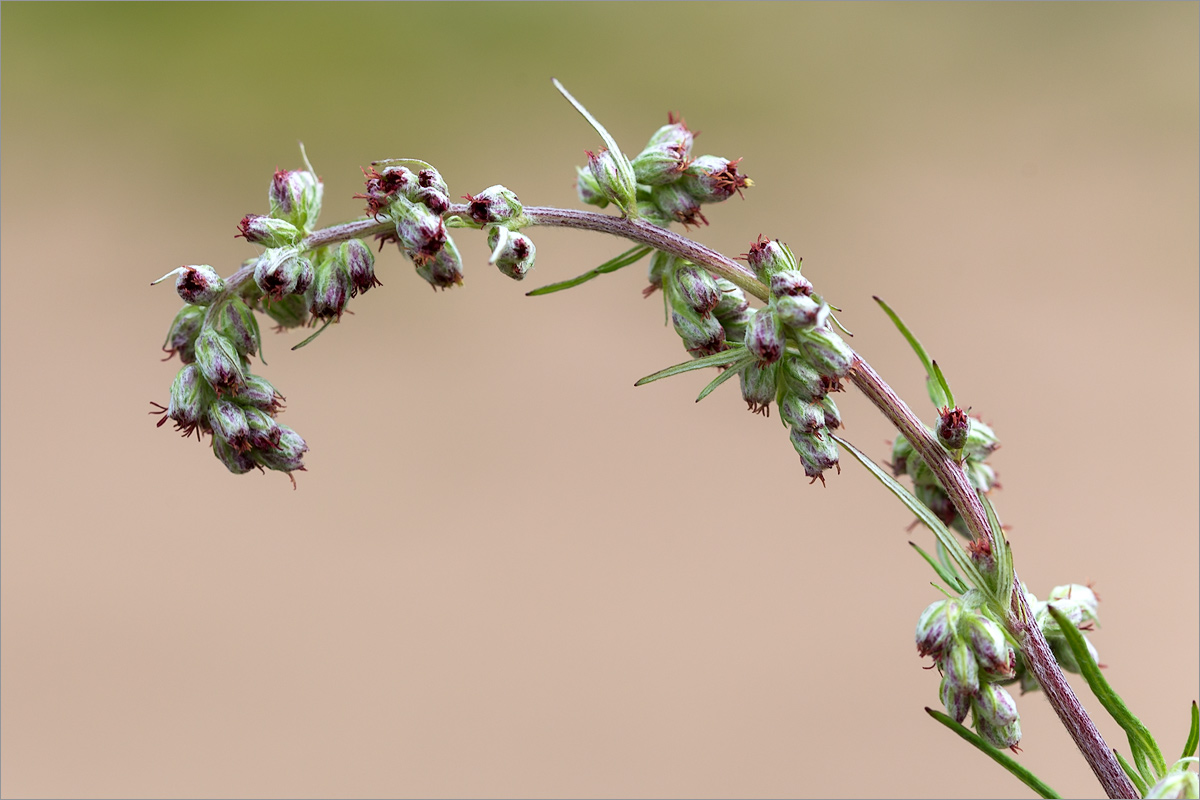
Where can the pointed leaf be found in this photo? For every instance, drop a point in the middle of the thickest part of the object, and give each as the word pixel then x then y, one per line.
pixel 1003 759
pixel 931 383
pixel 1002 596
pixel 947 574
pixel 715 360
pixel 1193 739
pixel 630 256
pixel 315 335
pixel 1135 778
pixel 404 162
pixel 947 539
pixel 1141 743
pixel 609 141
pixel 733 369
pixel 941 379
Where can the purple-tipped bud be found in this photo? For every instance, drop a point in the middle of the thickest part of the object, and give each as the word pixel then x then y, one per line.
pixel 295 196
pixel 697 288
pixel 287 455
pixel 660 164
pixel 421 232
pixel 219 362
pixel 199 285
pixel 674 133
pixel 765 337
pixel 264 430
pixel 799 377
pixel 268 231
pixel 827 351
pixel 236 322
pixel 957 702
pixel 732 307
pixel 443 269
pixel 999 736
pixel 711 179
pixel 513 253
pixel 935 628
pixel 228 422
pixel 190 398
pixel 801 414
pixel 289 312
pixel 181 336
pixel 1084 596
pixel 359 262
pixel 494 204
pixel 960 668
pixel 759 387
pixel 818 452
pixel 995 705
pixel 330 290
pixel 702 335
pixel 236 461
pixel 799 312
pixel 282 272
pixel 614 177
pixel 953 427
pixel 259 393
pixel 768 257
pixel 993 653
pixel 833 417
pixel 981 440
pixel 589 188
pixel 675 203
pixel 790 283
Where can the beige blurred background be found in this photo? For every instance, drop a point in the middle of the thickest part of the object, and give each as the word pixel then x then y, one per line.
pixel 506 571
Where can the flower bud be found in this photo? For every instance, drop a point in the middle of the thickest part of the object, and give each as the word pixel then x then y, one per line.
pixel 269 231
pixel 264 432
pixel 675 203
pixel 818 452
pixel 981 475
pixel 732 310
pixel 443 269
pixel 1076 593
pixel 935 628
pixel 190 397
pixel 801 414
pixel 514 255
pixel 589 188
pixel 1066 656
pixel 999 736
pixel 768 257
pixel 420 231
pixel 765 338
pixel 236 461
pixel 827 351
pixel 952 428
pixel 259 393
pixel 696 287
pixel 219 362
pixel 614 177
pixel 933 498
pixel 282 272
pixel 956 701
pixel 1179 783
pixel 790 283
pixel 289 312
pixel 288 453
pixel 960 668
pixel 494 204
pixel 199 285
pixel 981 440
pixel 295 196
pixel 994 654
pixel 758 387
pixel 833 417
pixel 228 422
pixel 800 312
pixel 675 134
pixel 711 179
pixel 181 336
pixel 648 211
pixel 902 450
pixel 798 377
pixel 659 164
pixel 359 262
pixel 236 322
pixel 702 334
pixel 330 290
pixel 995 705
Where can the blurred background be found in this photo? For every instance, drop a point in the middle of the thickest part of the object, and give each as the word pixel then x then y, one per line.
pixel 507 572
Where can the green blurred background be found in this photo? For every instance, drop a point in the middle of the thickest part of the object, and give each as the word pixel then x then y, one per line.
pixel 507 572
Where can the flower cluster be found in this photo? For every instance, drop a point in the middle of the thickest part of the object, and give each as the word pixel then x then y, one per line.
pixel 1080 605
pixel 974 657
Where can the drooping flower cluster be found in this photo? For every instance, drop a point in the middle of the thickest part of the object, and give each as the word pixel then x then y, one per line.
pixel 974 658
pixel 1080 605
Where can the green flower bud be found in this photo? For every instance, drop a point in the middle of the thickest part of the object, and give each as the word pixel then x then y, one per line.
pixel 199 285
pixel 981 440
pixel 952 428
pixel 219 362
pixel 801 414
pixel 935 628
pixel 960 668
pixel 1178 783
pixel 767 257
pixel 981 475
pixel 1084 596
pixel 494 204
pixel 282 272
pixel 228 422
pixel 797 377
pixel 758 387
pixel 287 455
pixel 675 203
pixel 513 253
pixel 956 701
pixel 259 393
pixel 827 351
pixel 696 287
pixel 765 339
pixel 269 231
pixel 359 262
pixel 420 232
pixel 702 334
pixel 330 290
pixel 712 179
pixel 659 164
pixel 443 269
pixel 589 188
pixel 732 310
pixel 902 450
pixel 289 312
pixel 999 736
pixel 236 322
pixel 236 461
pixel 800 312
pixel 994 654
pixel 995 705
pixel 295 196
pixel 614 177
pixel 190 397
pixel 648 211
pixel 818 452
pixel 264 432
pixel 181 336
pixel 833 417
pixel 790 283
pixel 1066 656
pixel 676 134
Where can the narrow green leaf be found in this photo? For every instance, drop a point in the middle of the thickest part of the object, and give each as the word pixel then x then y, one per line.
pixel 315 335
pixel 841 327
pixel 715 360
pixel 630 256
pixel 1003 759
pixel 1189 749
pixel 935 388
pixel 404 162
pixel 609 141
pixel 1141 743
pixel 941 379
pixel 1134 776
pixel 945 573
pixel 1003 590
pixel 927 517
pixel 733 370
